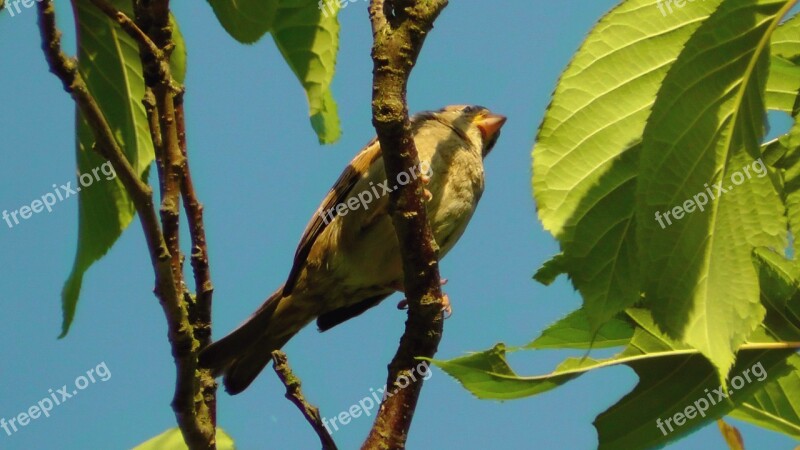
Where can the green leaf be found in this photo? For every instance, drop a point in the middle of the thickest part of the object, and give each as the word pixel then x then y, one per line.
pixel 245 20
pixel 585 161
pixel 672 376
pixel 173 440
pixel 777 277
pixel 786 40
pixel 785 78
pixel 697 267
pixel 550 270
pixel 783 84
pixel 574 331
pixel 487 375
pixel 791 184
pixel 109 62
pixel 668 386
pixel 309 39
pixel 177 61
pixel 674 382
pixel 779 293
pixel 777 405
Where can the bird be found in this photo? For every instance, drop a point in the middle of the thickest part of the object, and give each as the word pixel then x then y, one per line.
pixel 348 259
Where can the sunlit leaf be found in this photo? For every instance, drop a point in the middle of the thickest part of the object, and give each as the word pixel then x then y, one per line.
pixel 672 378
pixel 172 439
pixel 245 20
pixel 307 35
pixel 574 331
pixel 783 84
pixel 309 40
pixel 786 39
pixel 777 405
pixel 704 201
pixel 109 62
pixel 585 161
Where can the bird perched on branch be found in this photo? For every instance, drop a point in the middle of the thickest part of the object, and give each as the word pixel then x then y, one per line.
pixel 348 259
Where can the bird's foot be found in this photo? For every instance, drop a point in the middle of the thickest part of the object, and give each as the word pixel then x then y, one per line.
pixel 447 308
pixel 425 181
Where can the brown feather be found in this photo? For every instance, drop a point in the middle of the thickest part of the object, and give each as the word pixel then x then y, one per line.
pixel 339 193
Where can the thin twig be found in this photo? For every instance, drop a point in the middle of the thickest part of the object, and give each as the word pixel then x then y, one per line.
pixel 194 418
pixel 133 30
pixel 154 126
pixel 66 69
pixel 295 395
pixel 200 309
pixel 399 29
pixel 194 402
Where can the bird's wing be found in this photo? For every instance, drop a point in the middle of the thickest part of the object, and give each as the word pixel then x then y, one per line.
pixel 339 193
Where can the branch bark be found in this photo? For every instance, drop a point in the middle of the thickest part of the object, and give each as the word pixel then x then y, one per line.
pixel 295 395
pixel 399 28
pixel 194 402
pixel 200 308
pixel 188 321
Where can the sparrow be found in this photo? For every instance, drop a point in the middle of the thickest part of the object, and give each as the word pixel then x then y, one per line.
pixel 348 259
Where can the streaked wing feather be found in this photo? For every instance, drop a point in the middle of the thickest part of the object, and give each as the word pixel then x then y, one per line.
pixel 339 193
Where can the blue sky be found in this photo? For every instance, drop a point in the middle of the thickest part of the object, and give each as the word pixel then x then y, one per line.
pixel 261 175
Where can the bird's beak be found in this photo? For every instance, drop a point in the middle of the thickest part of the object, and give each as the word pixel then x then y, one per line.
pixel 490 125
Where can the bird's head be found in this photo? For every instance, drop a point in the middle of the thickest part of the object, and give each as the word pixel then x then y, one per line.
pixel 474 123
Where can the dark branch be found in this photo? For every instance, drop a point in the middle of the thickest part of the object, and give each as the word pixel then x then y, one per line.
pixel 399 29
pixel 295 395
pixel 193 402
pixel 200 309
pixel 146 45
pixel 66 69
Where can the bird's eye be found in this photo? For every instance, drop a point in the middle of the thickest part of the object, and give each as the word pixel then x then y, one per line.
pixel 471 109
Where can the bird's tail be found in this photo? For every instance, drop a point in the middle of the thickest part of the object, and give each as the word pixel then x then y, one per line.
pixel 242 355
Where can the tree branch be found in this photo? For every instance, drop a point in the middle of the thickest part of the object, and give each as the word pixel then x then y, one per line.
pixel 200 309
pixel 295 395
pixel 145 44
pixel 106 145
pixel 194 402
pixel 399 28
pixel 66 69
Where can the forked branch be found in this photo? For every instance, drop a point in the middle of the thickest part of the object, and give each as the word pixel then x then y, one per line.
pixel 188 320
